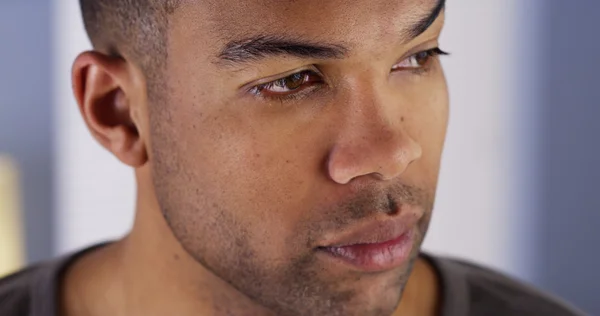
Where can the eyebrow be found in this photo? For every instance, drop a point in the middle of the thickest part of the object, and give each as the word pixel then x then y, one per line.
pixel 427 21
pixel 255 48
pixel 259 47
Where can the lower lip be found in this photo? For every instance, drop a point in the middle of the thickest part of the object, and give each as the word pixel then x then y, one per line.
pixel 374 257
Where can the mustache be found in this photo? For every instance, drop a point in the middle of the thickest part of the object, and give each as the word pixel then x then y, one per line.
pixel 388 201
pixel 369 202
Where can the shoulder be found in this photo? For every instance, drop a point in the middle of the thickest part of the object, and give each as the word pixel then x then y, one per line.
pixel 33 291
pixel 15 292
pixel 490 292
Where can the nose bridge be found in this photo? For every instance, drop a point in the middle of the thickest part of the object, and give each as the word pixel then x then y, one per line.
pixel 372 103
pixel 375 116
pixel 374 140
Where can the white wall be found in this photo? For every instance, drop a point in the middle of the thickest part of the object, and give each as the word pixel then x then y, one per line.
pixel 477 212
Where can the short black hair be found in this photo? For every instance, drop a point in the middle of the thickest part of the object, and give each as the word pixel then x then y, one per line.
pixel 134 29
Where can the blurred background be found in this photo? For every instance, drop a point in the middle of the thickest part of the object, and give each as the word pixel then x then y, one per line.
pixel 520 171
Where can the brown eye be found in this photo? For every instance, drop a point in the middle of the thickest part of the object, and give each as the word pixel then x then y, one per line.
pixel 418 60
pixel 422 58
pixel 289 84
pixel 293 82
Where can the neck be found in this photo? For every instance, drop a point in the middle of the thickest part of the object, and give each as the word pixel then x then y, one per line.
pixel 149 273
pixel 422 293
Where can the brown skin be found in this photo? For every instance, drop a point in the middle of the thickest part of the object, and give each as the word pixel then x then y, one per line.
pixel 249 186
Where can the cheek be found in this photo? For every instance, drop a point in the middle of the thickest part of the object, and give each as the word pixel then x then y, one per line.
pixel 242 179
pixel 272 188
pixel 427 121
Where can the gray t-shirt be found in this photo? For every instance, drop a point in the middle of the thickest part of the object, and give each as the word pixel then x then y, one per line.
pixel 467 290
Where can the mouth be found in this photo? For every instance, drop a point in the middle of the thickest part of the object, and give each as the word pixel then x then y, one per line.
pixel 377 257
pixel 376 247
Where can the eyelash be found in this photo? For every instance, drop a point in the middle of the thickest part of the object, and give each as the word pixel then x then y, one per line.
pixel 430 54
pixel 297 93
pixel 302 90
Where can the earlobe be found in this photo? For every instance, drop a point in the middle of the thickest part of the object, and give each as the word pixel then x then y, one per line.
pixel 104 91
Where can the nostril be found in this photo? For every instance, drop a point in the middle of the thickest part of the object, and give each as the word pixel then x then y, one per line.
pixel 379 176
pixel 392 205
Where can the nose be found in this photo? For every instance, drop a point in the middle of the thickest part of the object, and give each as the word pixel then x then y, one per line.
pixel 374 142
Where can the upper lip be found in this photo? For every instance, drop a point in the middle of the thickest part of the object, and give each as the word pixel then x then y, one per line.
pixel 375 232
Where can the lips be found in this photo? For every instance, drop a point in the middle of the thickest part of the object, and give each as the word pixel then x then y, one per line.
pixel 375 257
pixel 376 246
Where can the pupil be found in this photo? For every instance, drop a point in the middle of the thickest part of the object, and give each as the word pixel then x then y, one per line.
pixel 422 58
pixel 294 81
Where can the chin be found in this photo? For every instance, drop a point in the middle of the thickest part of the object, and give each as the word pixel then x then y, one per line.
pixel 381 306
pixel 372 295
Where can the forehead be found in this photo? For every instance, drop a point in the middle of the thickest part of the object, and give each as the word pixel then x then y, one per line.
pixel 215 22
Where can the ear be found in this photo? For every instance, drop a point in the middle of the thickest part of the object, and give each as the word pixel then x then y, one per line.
pixel 105 89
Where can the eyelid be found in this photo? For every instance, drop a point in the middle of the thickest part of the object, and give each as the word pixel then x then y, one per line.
pixel 249 86
pixel 420 48
pixel 431 53
pixel 264 90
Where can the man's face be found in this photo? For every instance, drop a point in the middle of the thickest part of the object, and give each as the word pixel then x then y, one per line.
pixel 290 132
